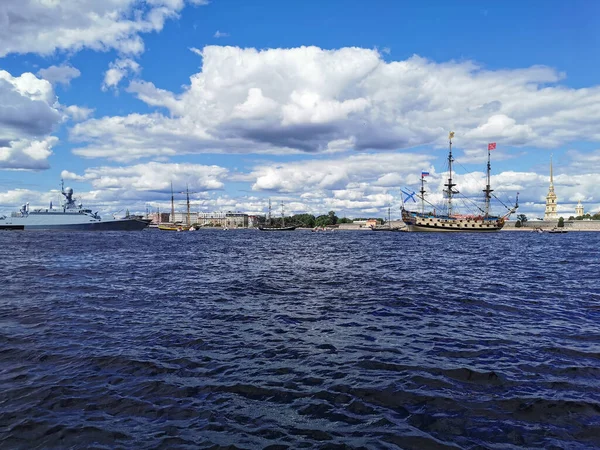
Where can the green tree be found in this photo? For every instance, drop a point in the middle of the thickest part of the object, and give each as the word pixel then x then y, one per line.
pixel 561 222
pixel 304 220
pixel 332 218
pixel 322 221
pixel 345 220
pixel 518 224
pixel 522 218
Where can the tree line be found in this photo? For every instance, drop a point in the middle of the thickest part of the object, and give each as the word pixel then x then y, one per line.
pixel 311 221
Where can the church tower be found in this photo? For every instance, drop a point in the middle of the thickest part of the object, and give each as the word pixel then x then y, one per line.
pixel 579 209
pixel 550 213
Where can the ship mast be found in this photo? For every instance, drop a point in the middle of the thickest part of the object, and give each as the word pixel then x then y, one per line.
pixel 449 185
pixel 487 189
pixel 269 216
pixel 172 204
pixel 422 191
pixel 187 193
pixel 282 216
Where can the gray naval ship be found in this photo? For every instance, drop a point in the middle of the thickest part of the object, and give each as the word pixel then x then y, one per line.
pixel 69 216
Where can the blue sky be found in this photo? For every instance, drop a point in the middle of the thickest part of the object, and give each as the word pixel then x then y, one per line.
pixel 325 105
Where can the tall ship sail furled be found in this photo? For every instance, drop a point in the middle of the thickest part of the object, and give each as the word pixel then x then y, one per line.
pixel 70 216
pixel 450 221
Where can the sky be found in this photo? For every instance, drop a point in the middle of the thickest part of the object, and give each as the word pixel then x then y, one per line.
pixel 336 105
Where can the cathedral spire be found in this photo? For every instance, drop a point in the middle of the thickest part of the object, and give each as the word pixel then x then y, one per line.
pixel 551 204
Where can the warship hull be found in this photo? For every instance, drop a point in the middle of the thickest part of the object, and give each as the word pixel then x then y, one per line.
pixel 71 216
pixel 26 224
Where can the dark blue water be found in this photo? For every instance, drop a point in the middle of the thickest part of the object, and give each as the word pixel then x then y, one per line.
pixel 299 340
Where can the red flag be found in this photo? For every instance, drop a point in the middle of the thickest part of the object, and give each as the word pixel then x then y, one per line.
pixel 492 146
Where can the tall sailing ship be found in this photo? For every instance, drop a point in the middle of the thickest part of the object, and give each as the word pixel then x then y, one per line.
pixel 270 227
pixel 175 226
pixel 451 221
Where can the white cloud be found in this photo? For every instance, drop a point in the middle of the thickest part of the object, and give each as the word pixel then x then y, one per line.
pixel 220 34
pixel 312 100
pixel 78 113
pixel 27 154
pixel 62 74
pixel 119 69
pixel 29 112
pixel 336 174
pixel 44 26
pixel 153 176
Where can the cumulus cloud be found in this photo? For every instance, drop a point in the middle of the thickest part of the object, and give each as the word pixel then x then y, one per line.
pixel 337 174
pixel 62 74
pixel 46 26
pixel 119 69
pixel 27 154
pixel 153 176
pixel 78 113
pixel 29 112
pixel 312 100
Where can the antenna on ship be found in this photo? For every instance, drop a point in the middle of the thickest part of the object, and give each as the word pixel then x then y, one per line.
pixel 449 185
pixel 487 189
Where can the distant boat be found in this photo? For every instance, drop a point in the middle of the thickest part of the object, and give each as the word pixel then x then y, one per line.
pixel 71 216
pixel 269 226
pixel 557 230
pixel 450 221
pixel 389 226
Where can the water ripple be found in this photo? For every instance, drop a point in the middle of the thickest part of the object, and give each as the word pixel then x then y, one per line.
pixel 299 340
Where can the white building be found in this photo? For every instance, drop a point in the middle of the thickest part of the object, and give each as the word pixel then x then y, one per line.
pixel 223 219
pixel 181 217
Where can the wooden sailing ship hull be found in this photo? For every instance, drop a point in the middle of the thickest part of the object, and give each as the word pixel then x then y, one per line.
pixel 419 222
pixel 176 228
pixel 277 228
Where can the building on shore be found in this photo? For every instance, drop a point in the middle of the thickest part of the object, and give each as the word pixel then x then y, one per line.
pixel 182 217
pixel 551 204
pixel 159 217
pixel 223 219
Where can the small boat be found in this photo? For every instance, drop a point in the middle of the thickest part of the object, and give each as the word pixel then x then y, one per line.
pixel 556 230
pixel 389 227
pixel 395 229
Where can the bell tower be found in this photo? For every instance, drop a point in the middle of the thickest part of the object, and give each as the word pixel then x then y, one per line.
pixel 550 213
pixel 579 209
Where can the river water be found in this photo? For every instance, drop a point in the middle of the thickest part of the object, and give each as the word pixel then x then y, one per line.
pixel 246 339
